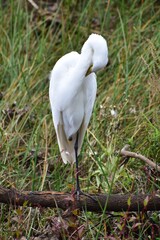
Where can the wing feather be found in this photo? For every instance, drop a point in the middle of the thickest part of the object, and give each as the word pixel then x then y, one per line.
pixel 90 89
pixel 66 147
pixel 64 64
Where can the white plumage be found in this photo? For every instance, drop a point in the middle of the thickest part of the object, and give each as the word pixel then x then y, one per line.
pixel 72 93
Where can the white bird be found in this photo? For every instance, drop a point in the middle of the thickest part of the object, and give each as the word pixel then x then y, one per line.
pixel 72 94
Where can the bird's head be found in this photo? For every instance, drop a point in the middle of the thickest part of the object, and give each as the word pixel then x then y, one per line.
pixel 98 45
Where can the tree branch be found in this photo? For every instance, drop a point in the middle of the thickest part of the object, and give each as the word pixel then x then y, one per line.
pixel 125 153
pixel 33 4
pixel 104 202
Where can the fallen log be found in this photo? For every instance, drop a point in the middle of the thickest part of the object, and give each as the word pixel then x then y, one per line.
pixel 92 202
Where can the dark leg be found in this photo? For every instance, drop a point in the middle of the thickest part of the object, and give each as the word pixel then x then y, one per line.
pixel 78 190
pixel 77 169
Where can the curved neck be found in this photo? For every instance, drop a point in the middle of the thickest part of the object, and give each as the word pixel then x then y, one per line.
pixel 78 74
pixel 76 77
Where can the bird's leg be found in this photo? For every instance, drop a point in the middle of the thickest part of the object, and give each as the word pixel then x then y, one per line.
pixel 77 169
pixel 78 190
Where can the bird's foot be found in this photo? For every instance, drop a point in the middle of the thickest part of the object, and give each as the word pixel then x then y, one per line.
pixel 78 192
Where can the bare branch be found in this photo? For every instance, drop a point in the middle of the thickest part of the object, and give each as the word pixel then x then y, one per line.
pixel 33 4
pixel 125 153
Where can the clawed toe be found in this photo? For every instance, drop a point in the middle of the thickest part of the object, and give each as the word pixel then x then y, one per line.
pixel 79 192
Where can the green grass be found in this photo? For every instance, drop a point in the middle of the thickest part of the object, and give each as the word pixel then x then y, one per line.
pixel 31 42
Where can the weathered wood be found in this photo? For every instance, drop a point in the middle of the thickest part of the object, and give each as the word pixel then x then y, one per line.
pixel 102 202
pixel 126 153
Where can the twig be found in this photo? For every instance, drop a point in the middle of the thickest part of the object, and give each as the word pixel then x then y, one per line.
pixel 126 153
pixel 33 4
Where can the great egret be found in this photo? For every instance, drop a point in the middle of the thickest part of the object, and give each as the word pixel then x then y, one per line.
pixel 72 95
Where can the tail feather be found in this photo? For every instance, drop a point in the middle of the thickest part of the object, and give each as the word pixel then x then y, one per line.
pixel 66 147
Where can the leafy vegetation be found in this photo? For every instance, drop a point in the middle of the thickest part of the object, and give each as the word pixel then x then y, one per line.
pixel 31 41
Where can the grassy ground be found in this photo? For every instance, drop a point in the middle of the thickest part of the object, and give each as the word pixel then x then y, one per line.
pixel 31 41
